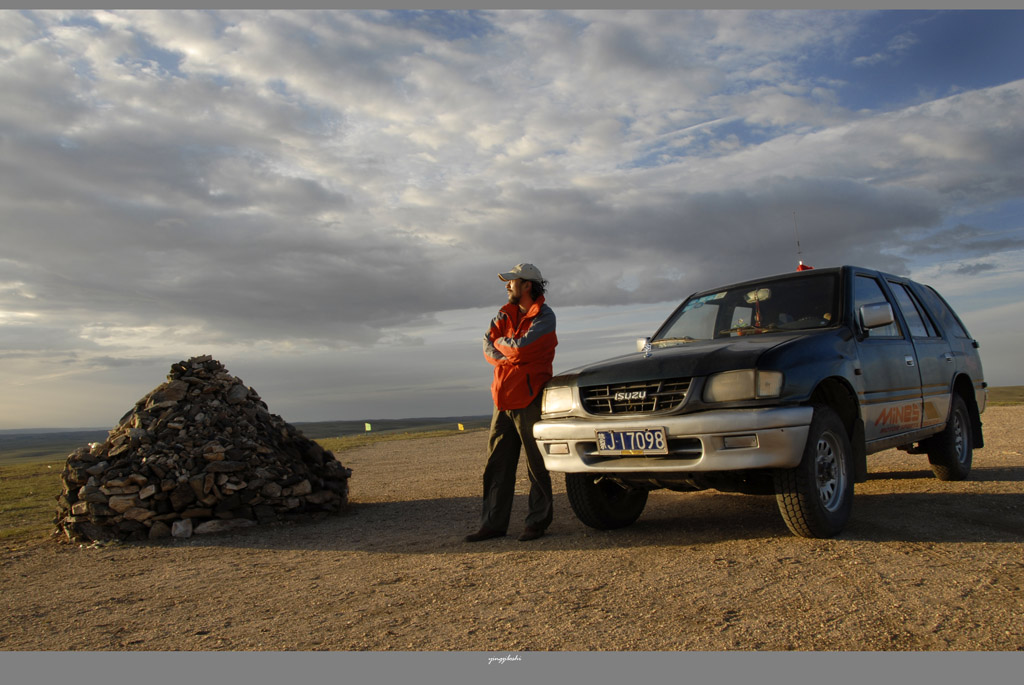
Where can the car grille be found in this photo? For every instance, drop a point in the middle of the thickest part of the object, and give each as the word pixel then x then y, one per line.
pixel 635 398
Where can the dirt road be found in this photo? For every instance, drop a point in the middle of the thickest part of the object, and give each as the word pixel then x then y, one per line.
pixel 923 565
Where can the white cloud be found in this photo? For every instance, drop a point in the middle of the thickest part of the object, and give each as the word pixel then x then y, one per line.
pixel 263 183
pixel 895 49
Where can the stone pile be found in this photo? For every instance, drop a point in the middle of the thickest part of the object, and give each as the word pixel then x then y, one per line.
pixel 199 454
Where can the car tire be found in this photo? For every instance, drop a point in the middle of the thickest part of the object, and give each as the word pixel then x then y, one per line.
pixel 601 503
pixel 951 452
pixel 816 497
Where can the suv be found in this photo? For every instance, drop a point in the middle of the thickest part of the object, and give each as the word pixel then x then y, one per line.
pixel 779 385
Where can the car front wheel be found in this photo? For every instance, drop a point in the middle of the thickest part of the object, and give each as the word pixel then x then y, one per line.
pixel 816 497
pixel 601 503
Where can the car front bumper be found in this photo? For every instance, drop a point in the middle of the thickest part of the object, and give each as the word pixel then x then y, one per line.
pixel 722 440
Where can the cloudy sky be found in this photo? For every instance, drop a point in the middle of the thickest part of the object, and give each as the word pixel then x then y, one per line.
pixel 322 200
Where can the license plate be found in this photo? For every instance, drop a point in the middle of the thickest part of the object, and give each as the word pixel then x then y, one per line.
pixel 632 442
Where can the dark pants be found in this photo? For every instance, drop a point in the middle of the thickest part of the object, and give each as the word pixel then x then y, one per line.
pixel 511 430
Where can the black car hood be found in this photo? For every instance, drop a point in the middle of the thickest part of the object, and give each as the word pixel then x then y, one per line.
pixel 684 360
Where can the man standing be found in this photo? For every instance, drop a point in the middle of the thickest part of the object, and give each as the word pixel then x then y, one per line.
pixel 521 345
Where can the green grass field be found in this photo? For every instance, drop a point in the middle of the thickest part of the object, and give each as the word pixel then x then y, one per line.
pixel 1009 394
pixel 28 494
pixel 20 447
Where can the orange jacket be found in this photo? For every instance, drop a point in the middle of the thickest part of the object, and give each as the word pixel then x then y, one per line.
pixel 522 348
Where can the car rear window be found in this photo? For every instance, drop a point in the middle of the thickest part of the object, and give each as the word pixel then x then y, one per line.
pixel 943 313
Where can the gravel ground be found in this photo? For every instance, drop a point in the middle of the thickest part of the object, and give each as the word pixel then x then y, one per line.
pixel 923 565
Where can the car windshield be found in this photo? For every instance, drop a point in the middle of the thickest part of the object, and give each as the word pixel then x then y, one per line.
pixel 797 303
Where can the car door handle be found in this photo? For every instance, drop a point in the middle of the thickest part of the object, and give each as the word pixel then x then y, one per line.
pixel 948 357
pixel 910 360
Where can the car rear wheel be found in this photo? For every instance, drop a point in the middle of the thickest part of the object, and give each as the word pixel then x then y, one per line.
pixel 601 503
pixel 816 497
pixel 951 452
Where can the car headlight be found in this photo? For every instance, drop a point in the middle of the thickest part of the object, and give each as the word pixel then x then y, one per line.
pixel 556 400
pixel 745 384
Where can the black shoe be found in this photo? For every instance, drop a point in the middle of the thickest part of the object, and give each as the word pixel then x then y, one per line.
pixel 484 534
pixel 531 534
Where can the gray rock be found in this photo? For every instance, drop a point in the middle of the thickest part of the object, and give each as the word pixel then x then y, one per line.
pixel 320 497
pixel 222 526
pixel 139 514
pixel 97 469
pixel 225 466
pixel 237 394
pixel 299 489
pixel 182 528
pixel 159 530
pixel 122 503
pixel 182 496
pixel 173 392
pixel 91 493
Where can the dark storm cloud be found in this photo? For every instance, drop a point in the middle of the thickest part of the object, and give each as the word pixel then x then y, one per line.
pixel 619 256
pixel 964 239
pixel 973 269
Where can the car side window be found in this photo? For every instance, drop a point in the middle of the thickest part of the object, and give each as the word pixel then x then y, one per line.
pixel 868 291
pixel 913 313
pixel 947 319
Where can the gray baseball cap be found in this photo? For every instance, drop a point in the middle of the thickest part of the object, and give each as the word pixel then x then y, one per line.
pixel 528 272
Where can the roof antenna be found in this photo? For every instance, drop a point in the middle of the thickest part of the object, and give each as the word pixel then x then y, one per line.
pixel 799 262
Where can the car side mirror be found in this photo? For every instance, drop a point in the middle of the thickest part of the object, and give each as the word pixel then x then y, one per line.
pixel 876 315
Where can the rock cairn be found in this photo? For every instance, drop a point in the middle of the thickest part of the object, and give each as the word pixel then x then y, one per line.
pixel 198 454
